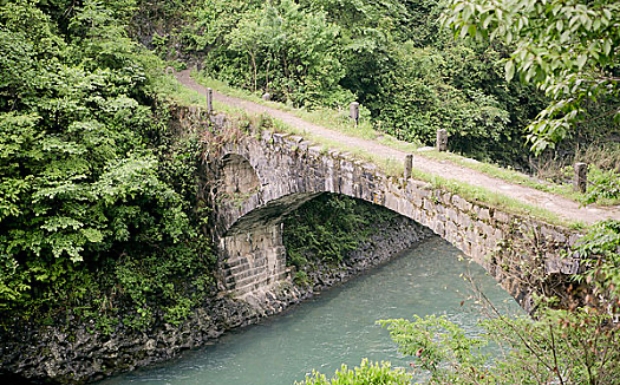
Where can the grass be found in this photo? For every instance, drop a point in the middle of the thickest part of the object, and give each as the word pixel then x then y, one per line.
pixel 174 91
pixel 506 204
pixel 507 175
pixel 339 121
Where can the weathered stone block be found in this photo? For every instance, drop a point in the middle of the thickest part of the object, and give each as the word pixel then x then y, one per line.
pixel 428 206
pixel 439 228
pixel 451 232
pixel 452 215
pixel 501 217
pixel 461 203
pixel 483 213
pixel 464 220
pixel 392 202
pixel 278 138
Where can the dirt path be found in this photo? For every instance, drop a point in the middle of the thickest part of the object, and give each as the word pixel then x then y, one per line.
pixel 564 208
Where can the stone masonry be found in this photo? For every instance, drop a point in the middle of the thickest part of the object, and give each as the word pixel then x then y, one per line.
pixel 291 171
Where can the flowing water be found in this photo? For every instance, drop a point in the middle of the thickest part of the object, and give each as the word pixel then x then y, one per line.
pixel 336 327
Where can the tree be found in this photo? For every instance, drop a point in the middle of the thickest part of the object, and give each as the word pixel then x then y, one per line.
pixel 569 49
pixel 557 347
pixel 368 373
pixel 275 46
pixel 92 197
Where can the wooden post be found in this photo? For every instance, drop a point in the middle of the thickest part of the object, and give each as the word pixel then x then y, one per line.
pixel 209 101
pixel 580 182
pixel 408 166
pixel 354 112
pixel 442 140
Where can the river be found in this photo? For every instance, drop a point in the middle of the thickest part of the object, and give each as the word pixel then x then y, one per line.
pixel 337 326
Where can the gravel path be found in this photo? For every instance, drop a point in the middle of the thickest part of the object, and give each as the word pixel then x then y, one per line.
pixel 564 208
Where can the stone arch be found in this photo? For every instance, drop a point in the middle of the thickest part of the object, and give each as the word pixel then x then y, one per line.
pixel 252 253
pixel 291 171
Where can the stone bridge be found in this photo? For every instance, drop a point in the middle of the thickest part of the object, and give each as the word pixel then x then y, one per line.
pixel 257 178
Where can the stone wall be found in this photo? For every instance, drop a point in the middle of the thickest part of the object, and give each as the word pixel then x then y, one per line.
pixel 254 260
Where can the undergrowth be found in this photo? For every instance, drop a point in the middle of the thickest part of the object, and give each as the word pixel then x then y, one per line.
pixel 325 229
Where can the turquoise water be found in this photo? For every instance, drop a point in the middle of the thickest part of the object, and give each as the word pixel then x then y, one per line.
pixel 337 326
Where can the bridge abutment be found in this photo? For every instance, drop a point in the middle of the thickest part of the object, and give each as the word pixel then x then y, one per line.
pixel 253 261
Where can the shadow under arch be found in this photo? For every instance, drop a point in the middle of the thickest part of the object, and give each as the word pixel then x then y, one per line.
pixel 253 254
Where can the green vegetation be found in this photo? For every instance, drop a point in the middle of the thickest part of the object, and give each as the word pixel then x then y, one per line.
pixel 568 49
pixel 367 373
pixel 99 210
pixel 324 229
pixel 563 347
pixel 409 76
pixel 600 248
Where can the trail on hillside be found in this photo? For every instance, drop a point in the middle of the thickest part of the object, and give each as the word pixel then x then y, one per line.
pixel 562 207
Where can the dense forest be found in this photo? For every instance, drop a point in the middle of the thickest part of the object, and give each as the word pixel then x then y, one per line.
pixel 99 209
pixel 93 194
pixel 410 75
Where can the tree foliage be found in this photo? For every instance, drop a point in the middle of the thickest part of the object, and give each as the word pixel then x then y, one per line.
pixel 569 49
pixel 390 56
pixel 600 249
pixel 273 46
pixel 558 347
pixel 368 373
pixel 85 185
pixel 325 229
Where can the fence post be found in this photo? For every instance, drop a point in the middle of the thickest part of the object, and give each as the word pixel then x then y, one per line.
pixel 408 166
pixel 209 101
pixel 580 182
pixel 442 140
pixel 354 112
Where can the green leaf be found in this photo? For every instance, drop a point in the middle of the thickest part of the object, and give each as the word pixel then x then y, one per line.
pixel 92 235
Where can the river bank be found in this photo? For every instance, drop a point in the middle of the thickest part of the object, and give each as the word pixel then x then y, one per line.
pixel 72 351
